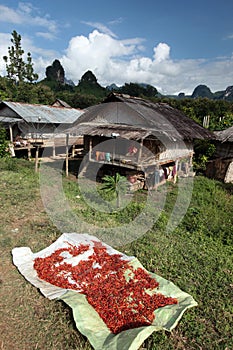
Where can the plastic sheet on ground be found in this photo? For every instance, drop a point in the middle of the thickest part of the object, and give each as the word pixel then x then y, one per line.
pixel 87 320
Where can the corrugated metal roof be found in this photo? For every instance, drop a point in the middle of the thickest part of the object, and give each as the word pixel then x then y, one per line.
pixel 35 113
pixel 9 119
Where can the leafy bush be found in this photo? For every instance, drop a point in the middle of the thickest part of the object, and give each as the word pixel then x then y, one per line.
pixel 16 165
pixel 204 150
pixel 4 152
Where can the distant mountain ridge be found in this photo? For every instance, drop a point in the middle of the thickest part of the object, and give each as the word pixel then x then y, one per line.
pixel 204 91
pixel 89 84
pixel 201 91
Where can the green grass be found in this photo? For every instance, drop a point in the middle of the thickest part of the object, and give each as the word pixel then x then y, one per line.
pixel 196 256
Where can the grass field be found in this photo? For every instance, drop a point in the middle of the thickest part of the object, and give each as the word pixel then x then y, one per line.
pixel 196 256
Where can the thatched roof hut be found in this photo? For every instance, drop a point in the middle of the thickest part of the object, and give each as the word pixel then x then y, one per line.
pixel 163 135
pixel 161 118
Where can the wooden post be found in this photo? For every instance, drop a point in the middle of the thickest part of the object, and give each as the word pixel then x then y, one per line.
pixel 67 155
pixel 114 150
pixel 140 151
pixel 73 151
pixel 54 148
pixel 37 158
pixel 11 134
pixel 29 151
pixel 90 148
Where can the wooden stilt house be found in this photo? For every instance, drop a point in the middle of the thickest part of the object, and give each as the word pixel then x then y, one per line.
pixel 139 139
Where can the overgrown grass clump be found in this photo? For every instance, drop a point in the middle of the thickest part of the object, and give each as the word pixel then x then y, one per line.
pixel 196 256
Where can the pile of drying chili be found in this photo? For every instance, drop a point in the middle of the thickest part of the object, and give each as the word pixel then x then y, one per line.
pixel 124 297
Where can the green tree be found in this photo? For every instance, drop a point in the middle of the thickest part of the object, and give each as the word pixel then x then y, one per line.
pixel 138 90
pixel 7 90
pixel 203 151
pixel 43 94
pixel 17 69
pixel 88 85
pixel 25 92
pixel 79 100
pixel 29 70
pixel 220 111
pixel 226 121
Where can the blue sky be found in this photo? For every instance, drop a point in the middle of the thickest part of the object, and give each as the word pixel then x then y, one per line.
pixel 172 45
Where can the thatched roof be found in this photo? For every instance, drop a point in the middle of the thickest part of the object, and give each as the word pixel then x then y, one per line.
pixel 224 135
pixel 111 130
pixel 139 114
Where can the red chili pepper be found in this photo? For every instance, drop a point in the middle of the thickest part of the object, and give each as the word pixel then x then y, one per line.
pixel 121 302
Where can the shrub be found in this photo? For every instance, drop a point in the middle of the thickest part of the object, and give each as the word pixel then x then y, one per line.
pixel 4 152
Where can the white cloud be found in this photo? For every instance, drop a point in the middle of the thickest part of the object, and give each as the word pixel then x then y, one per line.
pixel 26 14
pixel 4 43
pixel 230 36
pixel 161 52
pixel 45 35
pixel 97 52
pixel 122 61
pixel 9 15
pixel 116 21
pixel 101 27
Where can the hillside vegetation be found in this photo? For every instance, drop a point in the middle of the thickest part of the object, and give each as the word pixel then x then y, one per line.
pixel 89 92
pixel 22 84
pixel 196 256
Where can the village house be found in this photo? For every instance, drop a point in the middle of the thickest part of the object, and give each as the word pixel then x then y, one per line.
pixel 147 142
pixel 35 124
pixel 220 166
